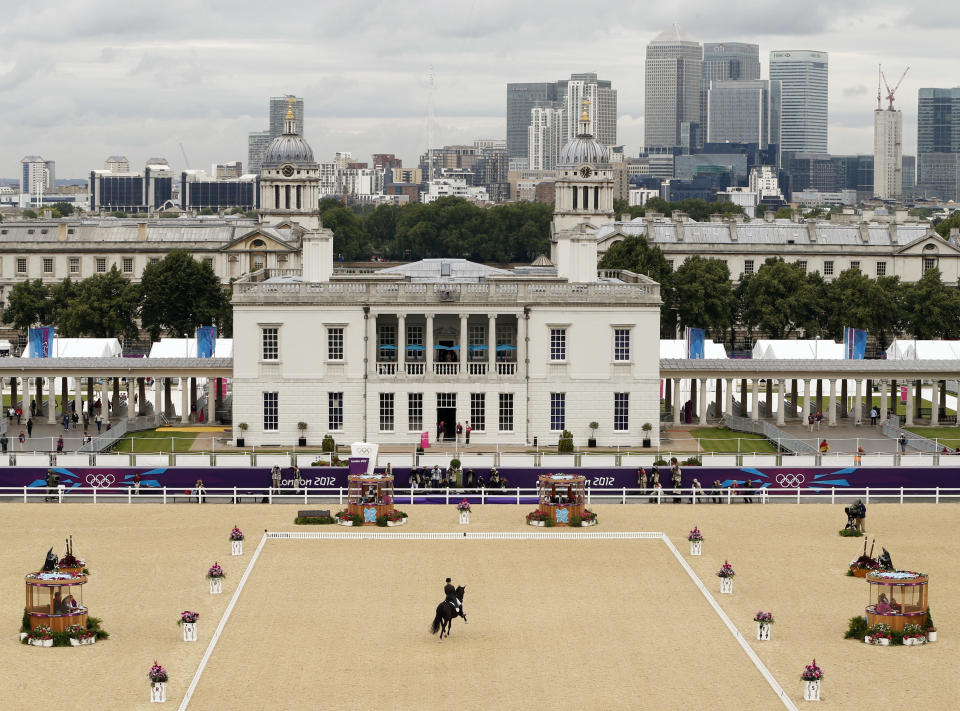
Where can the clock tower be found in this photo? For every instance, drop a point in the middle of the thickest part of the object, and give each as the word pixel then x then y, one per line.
pixel 583 201
pixel 290 179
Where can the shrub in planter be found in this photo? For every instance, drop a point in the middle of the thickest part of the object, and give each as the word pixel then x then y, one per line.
pixel 419 450
pixel 549 522
pixel 357 519
pixel 592 442
pixel 646 427
pixel 302 427
pixel 454 464
pixel 850 532
pixel 382 521
pixel 691 462
pixel 328 445
pixel 565 444
pixel 576 521
pixel 314 520
pixel 659 462
pixel 243 430
pixel 857 629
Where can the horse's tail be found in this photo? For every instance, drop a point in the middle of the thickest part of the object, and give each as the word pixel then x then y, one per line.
pixel 435 627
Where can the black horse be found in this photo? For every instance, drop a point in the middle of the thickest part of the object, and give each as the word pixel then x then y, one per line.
pixel 443 620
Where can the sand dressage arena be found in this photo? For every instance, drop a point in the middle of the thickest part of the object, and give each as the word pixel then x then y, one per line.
pixel 595 623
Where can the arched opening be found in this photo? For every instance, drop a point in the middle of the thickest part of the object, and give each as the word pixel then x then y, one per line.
pixel 575 194
pixel 586 198
pixel 286 192
pixel 276 197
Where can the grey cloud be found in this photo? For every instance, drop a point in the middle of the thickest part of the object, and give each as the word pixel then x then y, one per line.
pixel 855 90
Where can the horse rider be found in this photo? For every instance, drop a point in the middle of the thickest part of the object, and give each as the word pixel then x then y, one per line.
pixel 451 596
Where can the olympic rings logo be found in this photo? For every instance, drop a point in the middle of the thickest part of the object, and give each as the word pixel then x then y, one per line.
pixel 364 450
pixel 100 481
pixel 790 480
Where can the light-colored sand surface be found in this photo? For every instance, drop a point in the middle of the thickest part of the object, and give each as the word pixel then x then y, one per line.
pixel 343 624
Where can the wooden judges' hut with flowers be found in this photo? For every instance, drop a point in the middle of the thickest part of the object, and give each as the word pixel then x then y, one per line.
pixel 897 598
pixel 370 496
pixel 561 497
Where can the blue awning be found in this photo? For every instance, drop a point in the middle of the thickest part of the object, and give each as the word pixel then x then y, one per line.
pixel 438 347
pixel 505 347
pixel 477 348
pixel 415 347
pixel 388 347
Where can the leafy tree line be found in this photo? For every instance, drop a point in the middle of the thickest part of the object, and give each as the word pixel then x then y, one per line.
pixel 781 298
pixel 448 227
pixel 173 298
pixel 696 209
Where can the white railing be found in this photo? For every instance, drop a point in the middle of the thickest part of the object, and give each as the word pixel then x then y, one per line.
pixel 386 368
pixel 415 368
pixel 446 368
pixel 506 368
pixel 477 368
pixel 451 495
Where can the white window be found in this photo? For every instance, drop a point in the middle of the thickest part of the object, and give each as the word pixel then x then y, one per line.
pixel 21 265
pixel 506 412
pixel 477 343
pixel 748 266
pixel 101 265
pixel 386 344
pixel 415 412
pixel 558 412
pixel 621 412
pixel 208 261
pixel 257 262
pixel 446 400
pixel 271 412
pixel 48 265
pixel 558 344
pixel 270 338
pixel 478 411
pixel 154 260
pixel 335 411
pixel 335 343
pixel 621 344
pixel 929 263
pixel 128 265
pixel 74 265
pixel 386 412
pixel 415 350
pixel 828 268
pixel 881 268
pixel 803 265
pixel 855 265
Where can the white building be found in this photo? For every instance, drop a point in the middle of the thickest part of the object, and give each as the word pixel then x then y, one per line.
pixel 117 164
pixel 803 77
pixel 544 137
pixel 37 176
pixel 888 153
pixel 519 354
pixel 453 187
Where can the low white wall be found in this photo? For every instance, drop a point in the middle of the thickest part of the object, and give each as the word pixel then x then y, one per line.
pixel 306 460
pixel 637 460
pixel 759 460
pixel 917 460
pixel 476 460
pixel 152 460
pixel 877 460
pixel 73 460
pixel 33 460
pixel 192 460
pixel 273 460
pixel 719 460
pixel 556 461
pixel 233 460
pixel 798 460
pixel 112 460
pixel 598 460
pixel 517 460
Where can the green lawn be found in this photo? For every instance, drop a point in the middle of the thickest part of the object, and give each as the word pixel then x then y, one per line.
pixel 152 441
pixel 724 441
pixel 949 436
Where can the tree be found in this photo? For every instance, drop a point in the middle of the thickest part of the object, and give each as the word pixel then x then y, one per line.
pixel 783 213
pixel 103 306
pixel 179 294
pixel 635 254
pixel 348 235
pixel 60 297
pixel 849 302
pixel 64 208
pixel 27 305
pixel 779 298
pixel 932 309
pixel 704 295
pixel 943 227
pixel 30 214
pixel 207 211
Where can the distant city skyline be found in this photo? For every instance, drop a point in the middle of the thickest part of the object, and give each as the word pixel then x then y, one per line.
pixel 60 96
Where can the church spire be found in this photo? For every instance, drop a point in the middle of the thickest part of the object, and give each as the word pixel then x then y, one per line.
pixel 290 122
pixel 585 119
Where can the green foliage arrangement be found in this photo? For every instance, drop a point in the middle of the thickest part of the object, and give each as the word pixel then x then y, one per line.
pixel 565 444
pixel 328 444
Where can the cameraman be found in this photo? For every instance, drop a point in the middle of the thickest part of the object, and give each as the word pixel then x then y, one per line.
pixel 860 513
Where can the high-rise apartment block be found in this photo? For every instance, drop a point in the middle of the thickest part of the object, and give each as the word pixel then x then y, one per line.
pixel 117 164
pixel 228 171
pixel 803 77
pixel 258 141
pixel 521 99
pixel 673 77
pixel 545 137
pixel 888 153
pixel 37 175
pixel 726 61
pixel 938 143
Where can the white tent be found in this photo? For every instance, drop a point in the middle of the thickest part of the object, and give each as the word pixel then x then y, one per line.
pixel 82 348
pixel 923 350
pixel 677 348
pixel 187 348
pixel 797 350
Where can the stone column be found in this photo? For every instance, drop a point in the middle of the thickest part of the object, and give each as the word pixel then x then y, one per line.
pixel 492 345
pixel 781 410
pixel 676 401
pixel 78 399
pixel 523 351
pixel 728 398
pixel 157 395
pixel 832 404
pixel 935 404
pixel 755 401
pixel 428 341
pixel 743 397
pixel 184 401
pixel 703 401
pixel 51 401
pixel 401 348
pixel 909 422
pixel 463 344
pixel 807 400
pixel 131 408
pixel 883 401
pixel 858 403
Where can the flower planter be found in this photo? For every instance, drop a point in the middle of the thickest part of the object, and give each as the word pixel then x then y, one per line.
pixel 592 522
pixel 868 640
pixel 884 642
pixel 914 641
pixel 40 642
pixel 726 586
pixel 537 523
pixel 811 690
pixel 346 522
pixel 696 547
pixel 464 517
pixel 763 631
pixel 23 636
pixel 860 572
pixel 189 631
pixel 216 586
pixel 82 642
pixel 158 692
pixel 932 636
pixel 236 547
pixel 399 522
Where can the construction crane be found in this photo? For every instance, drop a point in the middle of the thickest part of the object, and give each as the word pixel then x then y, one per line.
pixel 187 160
pixel 890 92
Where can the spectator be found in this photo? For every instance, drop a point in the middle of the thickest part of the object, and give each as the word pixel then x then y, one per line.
pixel 459 432
pixel 66 422
pixel 819 419
pixel 440 427
pixel 903 443
pixel 136 483
pixel 468 430
pixel 30 427
pixel 657 492
pixel 60 444
pixel 717 491
pixel 19 413
pixel 21 438
pixel 99 420
pixel 810 422
pixel 748 492
pixel 298 479
pixel 4 442
pixel 200 491
pixel 873 416
pixel 696 491
pixel 642 480
pixel 858 457
pixel 824 447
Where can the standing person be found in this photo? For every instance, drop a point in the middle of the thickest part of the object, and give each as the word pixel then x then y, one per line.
pixel 903 443
pixel 99 420
pixel 21 439
pixel 30 427
pixel 297 479
pixel 86 421
pixel 440 428
pixel 19 413
pixel 53 479
pixel 717 490
pixel 201 492
pixel 696 490
pixel 275 476
pixel 676 478
pixel 459 432
pixel 861 513
pixel 819 419
pixel 10 413
pixel 75 418
pixel 33 408
pixel 468 430
pixel 873 416
pixel 136 483
pixel 642 480
pixel 824 447
pixel 66 422
pixel 810 419
pixel 60 444
pixel 4 442
pixel 435 476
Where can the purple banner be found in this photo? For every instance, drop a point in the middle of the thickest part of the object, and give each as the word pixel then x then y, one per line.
pixel 358 465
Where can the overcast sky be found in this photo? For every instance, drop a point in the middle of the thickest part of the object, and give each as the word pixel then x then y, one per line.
pixel 84 79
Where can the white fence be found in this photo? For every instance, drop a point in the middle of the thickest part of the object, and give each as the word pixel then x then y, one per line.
pixel 725 495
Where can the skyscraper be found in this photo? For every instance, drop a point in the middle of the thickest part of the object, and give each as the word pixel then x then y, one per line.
pixel 673 71
pixel 726 61
pixel 938 142
pixel 888 153
pixel 521 98
pixel 545 137
pixel 744 112
pixel 257 141
pixel 803 84
pixel 37 175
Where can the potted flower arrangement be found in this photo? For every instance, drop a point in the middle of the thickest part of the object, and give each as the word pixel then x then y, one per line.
pixel 696 541
pixel 344 518
pixel 763 620
pixel 726 574
pixel 879 634
pixel 812 675
pixel 589 518
pixel 80 636
pixel 646 427
pixel 537 518
pixel 188 620
pixel 302 440
pixel 913 635
pixel 931 634
pixel 863 565
pixel 40 637
pixel 396 518
pixel 158 684
pixel 243 428
pixel 236 541
pixel 464 508
pixel 216 575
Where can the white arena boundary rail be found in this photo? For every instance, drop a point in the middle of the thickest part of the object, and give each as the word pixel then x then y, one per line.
pixel 415 497
pixel 489 536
